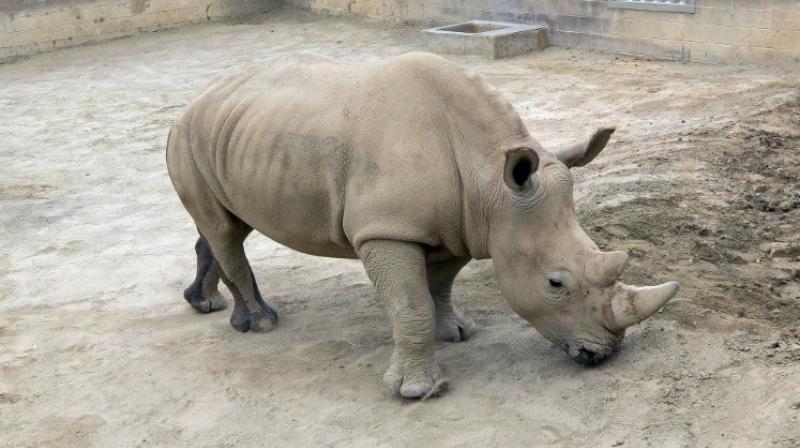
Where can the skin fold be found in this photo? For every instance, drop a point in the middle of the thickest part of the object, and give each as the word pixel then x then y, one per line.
pixel 415 167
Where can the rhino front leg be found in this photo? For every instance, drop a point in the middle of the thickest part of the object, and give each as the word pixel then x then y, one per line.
pixel 451 325
pixel 398 271
pixel 203 294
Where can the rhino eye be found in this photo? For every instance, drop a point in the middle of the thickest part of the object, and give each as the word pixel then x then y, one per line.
pixel 561 286
pixel 555 280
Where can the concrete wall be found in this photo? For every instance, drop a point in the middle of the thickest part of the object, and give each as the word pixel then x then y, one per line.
pixel 32 26
pixel 750 31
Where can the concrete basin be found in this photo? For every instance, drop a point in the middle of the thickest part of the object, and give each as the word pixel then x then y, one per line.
pixel 492 39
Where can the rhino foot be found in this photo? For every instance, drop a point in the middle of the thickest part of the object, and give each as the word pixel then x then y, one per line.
pixel 453 327
pixel 413 378
pixel 203 294
pixel 259 322
pixel 205 303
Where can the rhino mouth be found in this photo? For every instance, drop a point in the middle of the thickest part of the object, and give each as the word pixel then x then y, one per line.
pixel 588 353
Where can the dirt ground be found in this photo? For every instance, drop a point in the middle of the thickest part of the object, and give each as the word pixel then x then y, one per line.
pixel 700 184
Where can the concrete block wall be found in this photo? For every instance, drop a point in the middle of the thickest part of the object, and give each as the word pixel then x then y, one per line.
pixel 728 31
pixel 32 26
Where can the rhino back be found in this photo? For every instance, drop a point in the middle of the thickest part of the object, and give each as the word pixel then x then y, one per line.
pixel 322 157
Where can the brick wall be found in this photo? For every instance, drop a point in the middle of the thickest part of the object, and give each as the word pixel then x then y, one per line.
pixel 32 26
pixel 750 31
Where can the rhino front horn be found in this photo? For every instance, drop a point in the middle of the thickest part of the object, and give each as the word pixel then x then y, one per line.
pixel 631 304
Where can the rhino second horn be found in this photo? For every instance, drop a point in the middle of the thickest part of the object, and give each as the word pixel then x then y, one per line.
pixel 607 267
pixel 631 305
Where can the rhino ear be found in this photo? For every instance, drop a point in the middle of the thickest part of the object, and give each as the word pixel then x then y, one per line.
pixel 521 163
pixel 581 154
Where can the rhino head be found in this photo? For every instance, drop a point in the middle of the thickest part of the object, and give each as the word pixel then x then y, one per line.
pixel 548 269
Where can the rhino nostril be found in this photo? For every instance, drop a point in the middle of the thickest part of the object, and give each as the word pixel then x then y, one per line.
pixel 460 333
pixel 588 358
pixel 617 333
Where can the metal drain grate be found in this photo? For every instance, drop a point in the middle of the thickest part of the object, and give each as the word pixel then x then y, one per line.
pixel 655 5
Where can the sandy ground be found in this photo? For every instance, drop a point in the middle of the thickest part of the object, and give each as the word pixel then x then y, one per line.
pixel 98 348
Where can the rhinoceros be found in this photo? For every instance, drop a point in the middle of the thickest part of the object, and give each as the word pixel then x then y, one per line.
pixel 415 167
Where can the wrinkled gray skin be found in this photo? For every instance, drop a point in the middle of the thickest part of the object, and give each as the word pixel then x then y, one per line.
pixel 415 167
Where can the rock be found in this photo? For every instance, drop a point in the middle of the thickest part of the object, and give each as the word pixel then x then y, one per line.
pixel 781 249
pixel 787 205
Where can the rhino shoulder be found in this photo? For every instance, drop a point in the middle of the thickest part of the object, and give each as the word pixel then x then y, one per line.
pixel 420 64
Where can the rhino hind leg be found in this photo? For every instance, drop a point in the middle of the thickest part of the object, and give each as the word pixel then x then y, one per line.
pixel 250 311
pixel 223 233
pixel 451 325
pixel 203 294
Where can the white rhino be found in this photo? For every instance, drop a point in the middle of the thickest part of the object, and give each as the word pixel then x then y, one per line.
pixel 415 167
